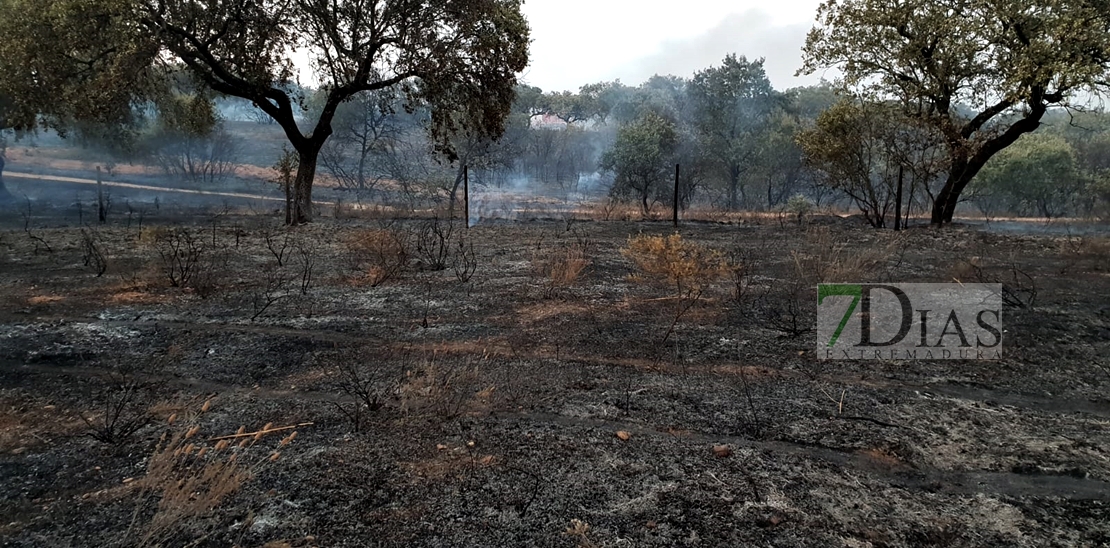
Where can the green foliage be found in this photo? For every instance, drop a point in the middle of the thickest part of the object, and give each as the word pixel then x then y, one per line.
pixel 1036 175
pixel 732 107
pixel 192 115
pixel 64 62
pixel 570 107
pixel 800 206
pixel 979 54
pixel 863 148
pixel 780 167
pixel 641 159
pixel 78 59
pixel 1099 191
pixel 613 100
pixel 810 101
pixel 849 149
pixel 981 73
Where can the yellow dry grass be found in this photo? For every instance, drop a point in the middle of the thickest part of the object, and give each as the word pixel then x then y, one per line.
pixel 684 265
pixel 39 300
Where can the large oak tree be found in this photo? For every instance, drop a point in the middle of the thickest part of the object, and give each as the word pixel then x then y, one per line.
pixel 66 64
pixel 982 72
pixel 642 160
pixel 458 58
pixel 733 104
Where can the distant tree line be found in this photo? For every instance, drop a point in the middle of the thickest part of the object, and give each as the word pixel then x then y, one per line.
pixel 937 103
pixel 741 144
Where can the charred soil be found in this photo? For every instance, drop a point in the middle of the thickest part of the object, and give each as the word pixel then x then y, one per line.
pixel 542 400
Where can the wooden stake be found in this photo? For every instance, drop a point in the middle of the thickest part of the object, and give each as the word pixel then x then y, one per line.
pixel 677 171
pixel 101 211
pixel 466 195
pixel 898 201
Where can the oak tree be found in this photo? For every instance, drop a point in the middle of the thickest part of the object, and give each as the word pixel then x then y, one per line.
pixel 981 72
pixel 457 58
pixel 733 104
pixel 66 64
pixel 642 160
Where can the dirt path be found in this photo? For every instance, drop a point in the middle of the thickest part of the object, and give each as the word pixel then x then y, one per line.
pixel 133 186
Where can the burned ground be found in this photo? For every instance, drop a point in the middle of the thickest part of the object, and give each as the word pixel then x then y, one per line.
pixel 499 410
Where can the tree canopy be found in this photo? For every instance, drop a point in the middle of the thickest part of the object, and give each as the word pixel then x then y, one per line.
pixel 68 62
pixel 457 58
pixel 981 72
pixel 1037 175
pixel 733 105
pixel 641 159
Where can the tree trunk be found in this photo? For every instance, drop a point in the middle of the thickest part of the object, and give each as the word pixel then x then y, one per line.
pixel 300 208
pixel 5 196
pixel 898 200
pixel 733 188
pixel 455 190
pixel 949 196
pixel 966 166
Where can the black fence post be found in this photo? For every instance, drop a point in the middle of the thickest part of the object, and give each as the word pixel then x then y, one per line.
pixel 898 201
pixel 677 172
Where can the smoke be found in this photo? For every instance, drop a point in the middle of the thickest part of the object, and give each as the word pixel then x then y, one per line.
pixel 521 198
pixel 751 34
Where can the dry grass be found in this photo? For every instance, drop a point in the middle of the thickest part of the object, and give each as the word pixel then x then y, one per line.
pixel 151 235
pixel 450 460
pixel 137 297
pixel 684 265
pixel 39 300
pixel 26 424
pixel 826 257
pixel 789 304
pixel 188 478
pixel 967 270
pixel 579 532
pixel 610 209
pixel 560 266
pixel 446 389
pixel 547 311
pixel 378 255
pixel 1094 250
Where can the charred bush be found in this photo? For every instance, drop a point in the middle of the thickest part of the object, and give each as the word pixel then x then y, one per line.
pixel 367 384
pixel 379 255
pixel 279 242
pixel 94 256
pixel 124 411
pixel 787 306
pixel 560 266
pixel 464 261
pixel 433 244
pixel 273 286
pixel 180 253
pixel 1019 289
pixel 211 270
pixel 306 260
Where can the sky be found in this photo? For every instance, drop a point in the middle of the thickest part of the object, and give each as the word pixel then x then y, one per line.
pixel 576 42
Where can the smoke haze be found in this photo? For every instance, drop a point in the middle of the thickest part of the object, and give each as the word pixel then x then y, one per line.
pixel 750 34
pixel 577 42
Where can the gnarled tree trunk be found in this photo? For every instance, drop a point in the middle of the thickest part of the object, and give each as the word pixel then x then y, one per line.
pixel 300 201
pixel 948 198
pixel 5 196
pixel 966 164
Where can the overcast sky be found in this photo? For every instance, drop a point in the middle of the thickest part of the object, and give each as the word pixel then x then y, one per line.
pixel 577 42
